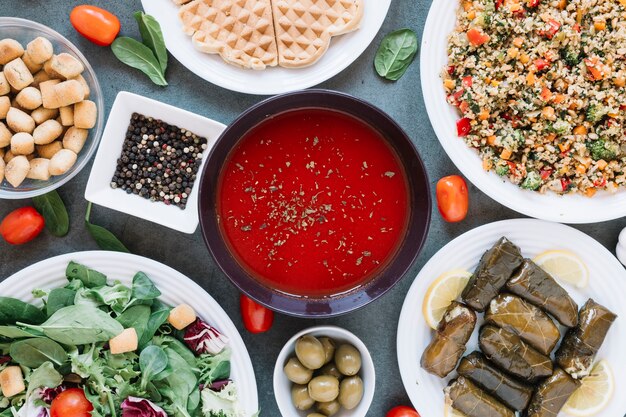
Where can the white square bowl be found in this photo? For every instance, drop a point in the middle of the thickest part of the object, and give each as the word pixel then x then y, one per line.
pixel 99 189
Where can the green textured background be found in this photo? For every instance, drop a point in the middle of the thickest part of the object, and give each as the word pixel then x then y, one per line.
pixel 376 324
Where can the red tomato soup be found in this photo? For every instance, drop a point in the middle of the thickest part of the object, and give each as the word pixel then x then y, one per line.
pixel 313 202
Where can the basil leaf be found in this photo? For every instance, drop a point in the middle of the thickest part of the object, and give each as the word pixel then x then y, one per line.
pixel 54 212
pixel 136 317
pixel 32 353
pixel 44 376
pixel 137 55
pixel 395 54
pixel 152 37
pixel 105 239
pixel 59 298
pixel 13 310
pixel 80 325
pixel 88 277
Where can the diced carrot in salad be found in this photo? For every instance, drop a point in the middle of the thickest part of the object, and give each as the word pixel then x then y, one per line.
pixel 477 37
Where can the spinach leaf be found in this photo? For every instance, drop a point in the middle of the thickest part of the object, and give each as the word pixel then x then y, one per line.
pixel 105 239
pixel 171 343
pixel 144 288
pixel 80 325
pixel 88 277
pixel 13 332
pixel 159 315
pixel 136 317
pixel 137 55
pixel 152 37
pixel 84 297
pixel 54 212
pixel 44 376
pixel 395 54
pixel 32 353
pixel 59 298
pixel 180 384
pixel 13 310
pixel 152 361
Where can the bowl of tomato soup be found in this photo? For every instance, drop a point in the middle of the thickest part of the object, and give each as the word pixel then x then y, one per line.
pixel 314 203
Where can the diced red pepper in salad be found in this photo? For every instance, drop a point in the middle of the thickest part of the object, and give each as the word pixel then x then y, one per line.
pixel 577 27
pixel 455 99
pixel 565 182
pixel 541 64
pixel 464 106
pixel 600 182
pixel 533 3
pixel 477 37
pixel 551 30
pixel 545 174
pixel 467 81
pixel 451 69
pixel 463 127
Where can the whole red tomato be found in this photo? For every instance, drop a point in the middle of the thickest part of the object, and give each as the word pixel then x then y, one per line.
pixel 98 25
pixel 403 411
pixel 256 318
pixel 452 198
pixel 71 403
pixel 21 225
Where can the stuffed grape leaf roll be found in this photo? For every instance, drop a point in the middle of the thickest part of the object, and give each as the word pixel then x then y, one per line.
pixel 494 269
pixel 552 394
pixel 448 345
pixel 474 402
pixel 487 376
pixel 513 355
pixel 539 288
pixel 580 344
pixel 525 320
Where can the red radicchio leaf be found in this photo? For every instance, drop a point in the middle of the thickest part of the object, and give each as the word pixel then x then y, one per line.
pixel 140 407
pixel 202 338
pixel 5 359
pixel 49 394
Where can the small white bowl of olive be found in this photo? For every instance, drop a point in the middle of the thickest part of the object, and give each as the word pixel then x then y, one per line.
pixel 324 371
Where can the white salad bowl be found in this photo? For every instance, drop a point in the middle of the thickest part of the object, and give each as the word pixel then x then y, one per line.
pixel 282 385
pixel 99 189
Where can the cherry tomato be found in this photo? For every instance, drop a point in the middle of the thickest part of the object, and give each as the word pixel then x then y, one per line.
pixel 403 411
pixel 71 403
pixel 21 225
pixel 452 198
pixel 256 318
pixel 98 25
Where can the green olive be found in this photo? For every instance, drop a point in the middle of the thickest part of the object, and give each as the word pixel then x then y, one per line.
pixel 297 373
pixel 300 397
pixel 310 352
pixel 329 408
pixel 315 415
pixel 351 392
pixel 329 348
pixel 331 369
pixel 324 388
pixel 348 360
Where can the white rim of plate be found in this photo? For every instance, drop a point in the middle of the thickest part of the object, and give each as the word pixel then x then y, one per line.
pixel 532 236
pixel 175 288
pixel 343 51
pixel 550 206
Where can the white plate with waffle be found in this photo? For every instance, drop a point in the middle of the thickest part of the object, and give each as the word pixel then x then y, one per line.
pixel 285 51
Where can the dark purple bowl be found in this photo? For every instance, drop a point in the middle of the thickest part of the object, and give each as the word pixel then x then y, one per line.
pixel 417 228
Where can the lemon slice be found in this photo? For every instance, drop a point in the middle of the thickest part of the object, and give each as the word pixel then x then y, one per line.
pixel 445 289
pixel 594 393
pixel 564 266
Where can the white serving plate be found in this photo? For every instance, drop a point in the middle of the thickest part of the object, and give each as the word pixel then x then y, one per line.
pixel 343 51
pixel 553 207
pixel 175 287
pixel 607 286
pixel 99 189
